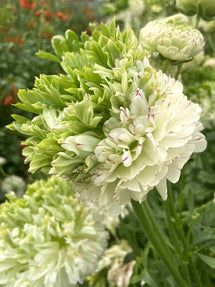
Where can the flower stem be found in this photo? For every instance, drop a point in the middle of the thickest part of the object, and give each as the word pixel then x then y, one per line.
pixel 197 21
pixel 195 273
pixel 157 238
pixel 178 71
pixel 177 232
pixel 165 65
pixel 211 43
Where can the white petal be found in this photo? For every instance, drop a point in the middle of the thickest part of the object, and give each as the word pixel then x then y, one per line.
pixel 173 174
pixel 162 189
pixel 126 158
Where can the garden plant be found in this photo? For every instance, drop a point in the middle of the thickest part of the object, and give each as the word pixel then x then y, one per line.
pixel 123 134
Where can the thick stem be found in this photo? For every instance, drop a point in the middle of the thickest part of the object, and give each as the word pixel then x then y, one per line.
pixel 198 18
pixel 157 238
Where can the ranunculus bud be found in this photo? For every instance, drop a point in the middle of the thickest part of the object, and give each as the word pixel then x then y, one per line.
pixel 204 8
pixel 173 38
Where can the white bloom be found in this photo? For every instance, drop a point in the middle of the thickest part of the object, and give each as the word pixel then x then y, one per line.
pixel 48 238
pixel 13 183
pixel 2 160
pixel 118 273
pixel 173 38
pixel 121 274
pixel 146 142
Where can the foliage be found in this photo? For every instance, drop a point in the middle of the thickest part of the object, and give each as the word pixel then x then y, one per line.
pixel 67 114
pixel 25 28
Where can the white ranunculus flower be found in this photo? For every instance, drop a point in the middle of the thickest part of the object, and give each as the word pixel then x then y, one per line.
pixel 49 238
pixel 120 274
pixel 173 38
pixel 146 142
pixel 113 124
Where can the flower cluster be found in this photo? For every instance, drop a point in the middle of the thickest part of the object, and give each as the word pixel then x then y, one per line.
pixel 48 238
pixel 173 38
pixel 113 124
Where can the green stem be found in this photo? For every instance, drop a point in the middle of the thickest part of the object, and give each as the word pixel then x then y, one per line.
pixel 2 173
pixel 177 233
pixel 157 238
pixel 195 273
pixel 165 65
pixel 172 232
pixel 197 21
pixel 184 239
pixel 178 71
pixel 211 43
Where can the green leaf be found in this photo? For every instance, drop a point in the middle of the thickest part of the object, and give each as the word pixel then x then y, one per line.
pixel 100 57
pixel 40 162
pixel 60 45
pixel 83 112
pixel 48 56
pixel 210 261
pixel 106 30
pixel 49 147
pixel 65 163
pixel 114 52
pixel 113 28
pixel 72 41
pixel 90 76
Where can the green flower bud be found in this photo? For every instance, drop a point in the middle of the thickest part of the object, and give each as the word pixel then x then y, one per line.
pixel 173 38
pixel 209 27
pixel 204 8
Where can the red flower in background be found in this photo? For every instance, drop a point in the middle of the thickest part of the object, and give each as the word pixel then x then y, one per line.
pixel 46 35
pixel 7 101
pixel 15 40
pixel 38 13
pixel 48 15
pixel 27 4
pixel 89 31
pixel 61 16
pixel 13 91
pixel 84 10
pixel 31 24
